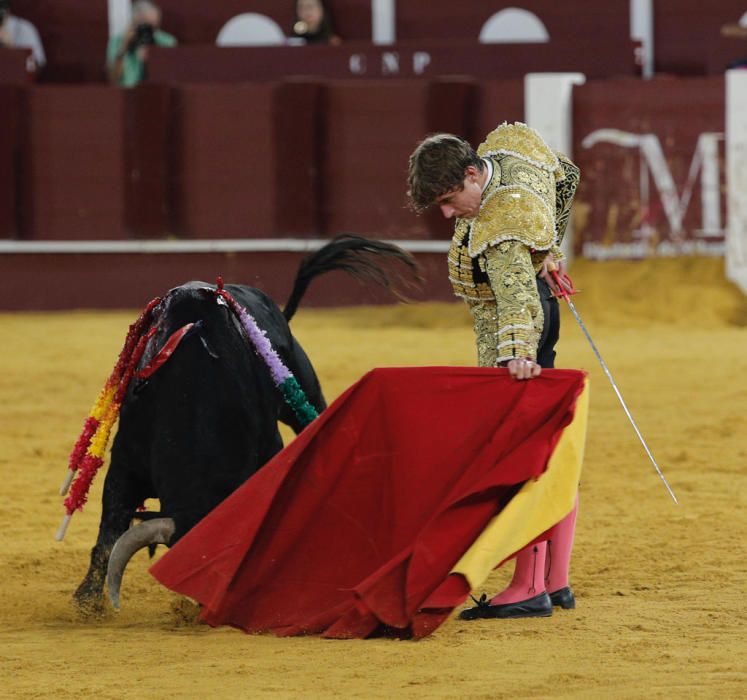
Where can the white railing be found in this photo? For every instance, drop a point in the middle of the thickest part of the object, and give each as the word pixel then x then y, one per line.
pixel 218 245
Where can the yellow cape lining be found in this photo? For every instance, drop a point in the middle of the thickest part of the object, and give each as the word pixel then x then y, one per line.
pixel 539 504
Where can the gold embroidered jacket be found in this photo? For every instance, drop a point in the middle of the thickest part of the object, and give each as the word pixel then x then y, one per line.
pixel 494 258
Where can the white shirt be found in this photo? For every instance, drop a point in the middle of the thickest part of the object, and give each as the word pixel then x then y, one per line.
pixel 23 35
pixel 488 162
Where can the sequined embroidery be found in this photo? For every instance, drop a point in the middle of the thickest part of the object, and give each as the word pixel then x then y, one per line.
pixel 522 141
pixel 565 190
pixel 494 258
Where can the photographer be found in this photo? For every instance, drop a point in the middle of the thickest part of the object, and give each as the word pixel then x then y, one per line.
pixel 17 33
pixel 312 23
pixel 127 53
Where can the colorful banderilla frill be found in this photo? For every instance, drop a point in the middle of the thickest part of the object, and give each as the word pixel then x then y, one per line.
pixel 87 455
pixel 283 378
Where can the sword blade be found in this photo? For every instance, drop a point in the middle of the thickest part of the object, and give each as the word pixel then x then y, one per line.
pixel 619 396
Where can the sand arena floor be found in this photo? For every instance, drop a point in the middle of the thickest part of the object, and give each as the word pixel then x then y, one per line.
pixel 661 589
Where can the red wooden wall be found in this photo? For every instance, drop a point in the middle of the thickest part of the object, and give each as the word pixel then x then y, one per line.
pixel 687 32
pixel 565 21
pixel 11 139
pixel 224 161
pixel 297 158
pixel 73 163
pixel 198 22
pixel 687 36
pixel 595 57
pixel 49 281
pixel 74 34
pixel 618 202
pixel 308 159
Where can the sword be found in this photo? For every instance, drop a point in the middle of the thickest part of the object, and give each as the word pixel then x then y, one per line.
pixel 566 289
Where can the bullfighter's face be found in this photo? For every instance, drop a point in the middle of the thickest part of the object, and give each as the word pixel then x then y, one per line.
pixel 464 203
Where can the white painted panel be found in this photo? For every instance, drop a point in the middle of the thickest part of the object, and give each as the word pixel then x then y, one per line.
pixel 383 21
pixel 120 12
pixel 548 108
pixel 736 177
pixel 642 29
pixel 514 25
pixel 250 29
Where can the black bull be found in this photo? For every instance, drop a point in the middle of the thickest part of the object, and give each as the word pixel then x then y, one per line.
pixel 202 424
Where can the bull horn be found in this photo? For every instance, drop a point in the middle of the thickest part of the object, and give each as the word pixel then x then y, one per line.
pixel 158 531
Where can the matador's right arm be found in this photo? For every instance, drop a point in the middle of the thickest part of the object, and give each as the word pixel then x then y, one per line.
pixel 517 315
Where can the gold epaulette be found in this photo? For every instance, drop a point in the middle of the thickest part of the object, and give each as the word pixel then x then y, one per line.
pixel 522 141
pixel 513 213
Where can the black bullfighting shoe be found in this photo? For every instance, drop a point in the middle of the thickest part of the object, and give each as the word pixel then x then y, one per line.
pixel 564 598
pixel 539 606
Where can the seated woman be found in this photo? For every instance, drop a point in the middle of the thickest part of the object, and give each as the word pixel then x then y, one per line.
pixel 312 23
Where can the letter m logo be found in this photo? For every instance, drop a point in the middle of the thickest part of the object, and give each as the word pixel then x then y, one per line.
pixel 654 169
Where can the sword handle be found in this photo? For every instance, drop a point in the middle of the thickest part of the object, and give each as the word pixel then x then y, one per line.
pixel 564 283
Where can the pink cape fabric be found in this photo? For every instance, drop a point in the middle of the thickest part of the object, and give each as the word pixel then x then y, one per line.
pixel 353 528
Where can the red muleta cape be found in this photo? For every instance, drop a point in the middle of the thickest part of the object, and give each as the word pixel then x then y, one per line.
pixel 355 526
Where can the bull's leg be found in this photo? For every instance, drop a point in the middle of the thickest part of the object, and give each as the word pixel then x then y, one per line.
pixel 121 497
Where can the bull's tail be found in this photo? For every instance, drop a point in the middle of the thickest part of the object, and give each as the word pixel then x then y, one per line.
pixel 352 254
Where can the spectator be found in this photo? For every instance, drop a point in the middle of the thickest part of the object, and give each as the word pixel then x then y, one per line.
pixel 313 23
pixel 736 30
pixel 127 53
pixel 17 33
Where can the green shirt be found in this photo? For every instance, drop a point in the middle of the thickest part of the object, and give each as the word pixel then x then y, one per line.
pixel 132 66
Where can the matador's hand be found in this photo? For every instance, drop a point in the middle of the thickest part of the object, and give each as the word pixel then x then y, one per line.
pixel 523 368
pixel 548 265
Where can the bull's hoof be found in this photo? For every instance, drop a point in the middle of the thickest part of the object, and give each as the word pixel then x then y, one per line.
pixel 91 607
pixel 89 596
pixel 185 612
pixel 89 599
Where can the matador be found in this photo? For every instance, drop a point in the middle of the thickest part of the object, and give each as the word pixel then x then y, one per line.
pixel 511 201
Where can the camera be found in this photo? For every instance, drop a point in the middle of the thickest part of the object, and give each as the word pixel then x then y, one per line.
pixel 144 36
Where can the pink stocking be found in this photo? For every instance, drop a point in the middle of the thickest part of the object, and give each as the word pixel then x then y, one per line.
pixel 559 552
pixel 529 579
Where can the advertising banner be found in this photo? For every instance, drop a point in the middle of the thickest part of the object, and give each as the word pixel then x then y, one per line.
pixel 653 168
